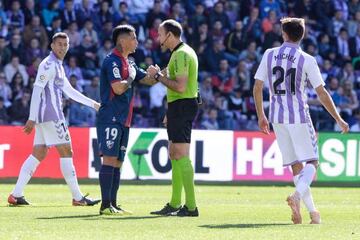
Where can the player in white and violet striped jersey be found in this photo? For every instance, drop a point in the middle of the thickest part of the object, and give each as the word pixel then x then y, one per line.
pixel 47 117
pixel 287 70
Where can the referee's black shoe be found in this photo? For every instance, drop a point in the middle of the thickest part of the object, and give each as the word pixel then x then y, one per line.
pixel 167 210
pixel 185 212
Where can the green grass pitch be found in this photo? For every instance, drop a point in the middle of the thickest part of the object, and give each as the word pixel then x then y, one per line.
pixel 226 212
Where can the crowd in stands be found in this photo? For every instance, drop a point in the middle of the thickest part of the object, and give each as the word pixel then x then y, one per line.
pixel 228 36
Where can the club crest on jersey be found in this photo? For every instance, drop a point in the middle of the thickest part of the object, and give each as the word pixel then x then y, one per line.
pixel 114 64
pixel 42 78
pixel 67 138
pixel 116 72
pixel 109 144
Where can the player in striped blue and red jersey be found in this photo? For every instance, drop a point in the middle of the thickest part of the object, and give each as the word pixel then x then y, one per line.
pixel 118 74
pixel 287 70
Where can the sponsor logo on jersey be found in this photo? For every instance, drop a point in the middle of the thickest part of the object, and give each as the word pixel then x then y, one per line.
pixel 116 72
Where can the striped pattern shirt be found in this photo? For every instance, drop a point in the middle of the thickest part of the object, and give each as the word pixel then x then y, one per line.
pixel 50 77
pixel 287 70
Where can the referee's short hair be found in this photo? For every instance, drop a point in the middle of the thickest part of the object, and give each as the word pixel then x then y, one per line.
pixel 59 35
pixel 293 27
pixel 121 29
pixel 172 26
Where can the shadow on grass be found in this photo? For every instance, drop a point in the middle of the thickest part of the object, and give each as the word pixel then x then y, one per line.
pixel 66 217
pixel 126 218
pixel 97 217
pixel 245 225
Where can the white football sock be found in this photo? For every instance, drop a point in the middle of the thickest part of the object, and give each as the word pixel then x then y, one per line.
pixel 307 198
pixel 26 171
pixel 69 173
pixel 305 179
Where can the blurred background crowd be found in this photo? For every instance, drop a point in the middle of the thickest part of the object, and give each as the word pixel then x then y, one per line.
pixel 228 36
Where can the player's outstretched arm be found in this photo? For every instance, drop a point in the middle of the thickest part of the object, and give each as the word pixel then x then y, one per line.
pixel 258 97
pixel 79 97
pixel 328 103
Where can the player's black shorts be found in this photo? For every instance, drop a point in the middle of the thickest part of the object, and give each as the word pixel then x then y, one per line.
pixel 113 139
pixel 180 116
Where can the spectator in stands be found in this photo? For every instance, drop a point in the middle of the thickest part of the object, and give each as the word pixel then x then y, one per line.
pixel 5 53
pixel 84 11
pixel 353 25
pixel 74 36
pixel 324 45
pixel 30 10
pixel 242 78
pixel 347 73
pixel 14 67
pixel 218 14
pixel 15 16
pixel 356 126
pixel 348 101
pixel 210 122
pixel 235 40
pixel 337 22
pixel 252 25
pixel 88 30
pixel 354 44
pixel 80 115
pixel 155 13
pixel 153 33
pixel 324 11
pixel 3 14
pixel 16 47
pixel 33 68
pixel 178 13
pixel 333 89
pixel 68 15
pixel 54 28
pixel 19 111
pixel 4 117
pixel 3 28
pixel 35 30
pixel 72 69
pixel 104 50
pixel 93 90
pixel 206 91
pixel 17 86
pixel 122 14
pixel 105 32
pixel 354 6
pixel 342 44
pixel 104 15
pixel 223 81
pixel 33 51
pixel 52 11
pixel 87 50
pixel 342 6
pixel 217 32
pixel 269 5
pixel 271 37
pixel 157 106
pixel 269 22
pixel 139 9
pixel 5 91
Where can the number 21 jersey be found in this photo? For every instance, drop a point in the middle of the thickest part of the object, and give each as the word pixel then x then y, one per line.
pixel 287 70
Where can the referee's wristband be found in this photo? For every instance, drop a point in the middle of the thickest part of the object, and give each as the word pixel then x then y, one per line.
pixel 157 76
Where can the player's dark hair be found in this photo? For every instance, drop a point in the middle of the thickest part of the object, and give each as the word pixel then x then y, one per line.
pixel 172 26
pixel 121 29
pixel 59 35
pixel 294 28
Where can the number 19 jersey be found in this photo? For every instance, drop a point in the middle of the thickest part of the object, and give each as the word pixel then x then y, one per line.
pixel 287 70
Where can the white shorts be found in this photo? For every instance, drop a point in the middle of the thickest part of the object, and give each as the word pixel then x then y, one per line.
pixel 297 142
pixel 52 133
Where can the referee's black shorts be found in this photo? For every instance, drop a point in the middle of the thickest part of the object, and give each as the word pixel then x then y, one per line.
pixel 180 116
